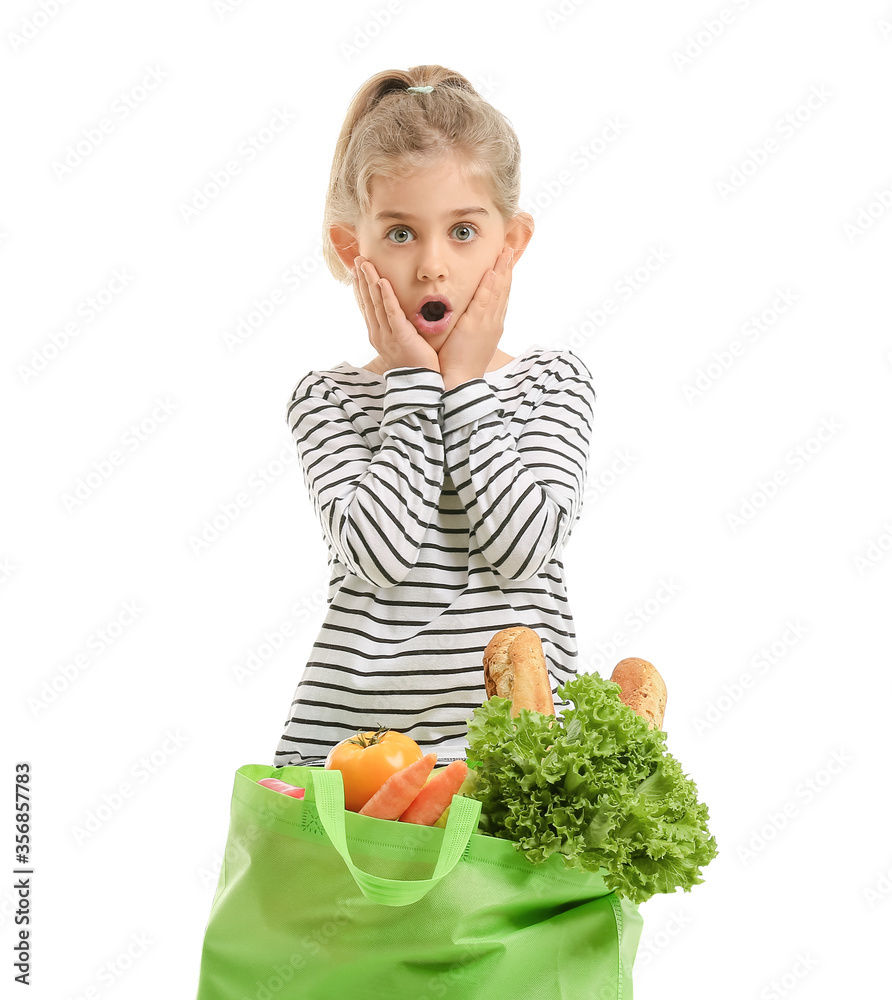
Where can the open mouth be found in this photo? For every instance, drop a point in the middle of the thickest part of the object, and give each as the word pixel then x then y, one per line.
pixel 433 311
pixel 434 314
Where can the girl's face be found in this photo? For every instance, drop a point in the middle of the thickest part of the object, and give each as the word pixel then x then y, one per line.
pixel 435 232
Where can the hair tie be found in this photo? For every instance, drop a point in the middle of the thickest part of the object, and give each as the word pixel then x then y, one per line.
pixel 419 90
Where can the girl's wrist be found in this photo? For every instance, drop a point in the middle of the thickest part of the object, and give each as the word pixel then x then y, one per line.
pixel 430 364
pixel 453 379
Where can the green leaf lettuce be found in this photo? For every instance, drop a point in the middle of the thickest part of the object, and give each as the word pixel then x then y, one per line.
pixel 597 786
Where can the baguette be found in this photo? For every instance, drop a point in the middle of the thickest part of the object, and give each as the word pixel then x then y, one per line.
pixel 642 689
pixel 514 667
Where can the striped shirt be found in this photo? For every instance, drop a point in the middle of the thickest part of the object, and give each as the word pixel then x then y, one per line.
pixel 445 514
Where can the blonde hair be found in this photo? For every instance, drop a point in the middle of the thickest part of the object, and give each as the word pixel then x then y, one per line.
pixel 389 131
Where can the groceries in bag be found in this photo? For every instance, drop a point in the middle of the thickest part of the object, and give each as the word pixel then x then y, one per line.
pixel 368 759
pixel 282 786
pixel 386 775
pixel 597 786
pixel 395 796
pixel 641 688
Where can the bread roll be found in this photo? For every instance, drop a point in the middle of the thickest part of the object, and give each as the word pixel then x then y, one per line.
pixel 514 667
pixel 642 689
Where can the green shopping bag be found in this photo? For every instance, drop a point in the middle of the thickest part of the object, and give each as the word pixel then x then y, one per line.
pixel 314 901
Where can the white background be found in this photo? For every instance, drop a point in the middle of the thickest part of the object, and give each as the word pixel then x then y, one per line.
pixel 718 184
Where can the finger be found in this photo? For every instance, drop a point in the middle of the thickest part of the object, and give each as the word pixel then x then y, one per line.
pixel 362 292
pixel 376 296
pixel 506 282
pixel 484 293
pixel 503 264
pixel 501 270
pixel 373 310
pixel 372 291
pixel 498 285
pixel 396 322
pixel 358 289
pixel 490 301
pixel 506 270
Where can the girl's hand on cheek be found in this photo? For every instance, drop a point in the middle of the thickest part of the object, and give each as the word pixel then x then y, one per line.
pixel 470 346
pixel 397 342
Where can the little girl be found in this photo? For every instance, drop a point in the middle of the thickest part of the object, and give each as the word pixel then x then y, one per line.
pixel 446 474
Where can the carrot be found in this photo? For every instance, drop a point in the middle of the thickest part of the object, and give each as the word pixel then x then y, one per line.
pixel 397 793
pixel 431 802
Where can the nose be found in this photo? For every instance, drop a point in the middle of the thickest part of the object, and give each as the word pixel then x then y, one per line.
pixel 431 262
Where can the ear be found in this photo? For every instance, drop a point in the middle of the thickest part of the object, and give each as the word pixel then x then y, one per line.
pixel 519 233
pixel 345 242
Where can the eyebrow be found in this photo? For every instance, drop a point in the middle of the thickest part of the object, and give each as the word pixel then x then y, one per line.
pixel 472 210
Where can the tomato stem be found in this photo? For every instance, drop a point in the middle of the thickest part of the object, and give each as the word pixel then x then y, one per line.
pixel 369 739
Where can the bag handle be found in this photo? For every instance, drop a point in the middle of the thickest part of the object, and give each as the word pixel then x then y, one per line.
pixel 328 790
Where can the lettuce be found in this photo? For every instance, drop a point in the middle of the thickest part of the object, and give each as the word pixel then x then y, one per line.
pixel 597 786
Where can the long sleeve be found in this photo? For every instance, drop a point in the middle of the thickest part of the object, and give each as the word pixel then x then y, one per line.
pixel 374 504
pixel 408 656
pixel 524 494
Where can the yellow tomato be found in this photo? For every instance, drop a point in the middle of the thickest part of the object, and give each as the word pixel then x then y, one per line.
pixel 368 759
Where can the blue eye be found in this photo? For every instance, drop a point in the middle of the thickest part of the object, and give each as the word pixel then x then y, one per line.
pixel 398 229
